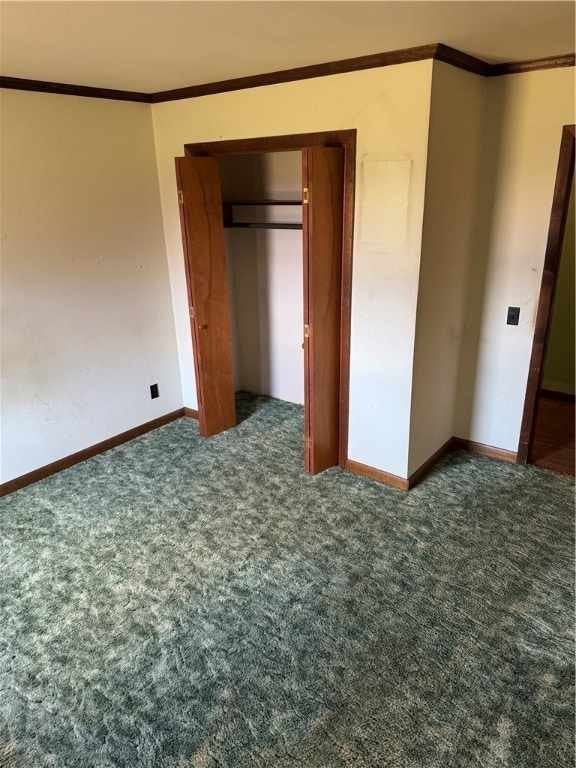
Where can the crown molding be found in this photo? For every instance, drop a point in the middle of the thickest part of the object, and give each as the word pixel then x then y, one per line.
pixel 461 60
pixel 531 65
pixel 373 61
pixel 435 51
pixel 65 89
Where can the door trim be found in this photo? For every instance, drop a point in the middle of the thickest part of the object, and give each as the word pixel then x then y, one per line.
pixel 558 215
pixel 291 142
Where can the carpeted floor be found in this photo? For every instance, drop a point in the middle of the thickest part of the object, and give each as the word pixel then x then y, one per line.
pixel 188 603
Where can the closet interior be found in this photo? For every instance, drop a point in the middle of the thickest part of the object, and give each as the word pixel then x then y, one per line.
pixel 262 214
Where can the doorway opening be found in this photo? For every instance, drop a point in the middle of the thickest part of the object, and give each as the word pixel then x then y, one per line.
pixel 547 433
pixel 222 189
pixel 264 265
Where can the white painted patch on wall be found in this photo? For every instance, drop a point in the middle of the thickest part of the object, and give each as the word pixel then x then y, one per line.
pixel 384 208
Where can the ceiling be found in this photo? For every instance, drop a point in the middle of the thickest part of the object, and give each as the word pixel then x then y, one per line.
pixel 155 46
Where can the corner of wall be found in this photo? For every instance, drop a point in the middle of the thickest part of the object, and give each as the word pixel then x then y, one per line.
pixel 456 116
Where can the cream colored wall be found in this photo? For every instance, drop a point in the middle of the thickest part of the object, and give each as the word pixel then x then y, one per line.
pixel 524 118
pixel 389 107
pixel 559 367
pixel 456 122
pixel 87 322
pixel 87 310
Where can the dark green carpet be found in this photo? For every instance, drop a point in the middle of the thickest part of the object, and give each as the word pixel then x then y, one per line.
pixel 204 604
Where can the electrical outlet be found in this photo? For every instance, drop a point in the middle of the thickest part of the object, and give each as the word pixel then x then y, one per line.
pixel 513 316
pixel 154 391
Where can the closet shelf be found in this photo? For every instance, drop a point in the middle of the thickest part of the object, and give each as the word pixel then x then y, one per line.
pixel 262 202
pixel 230 223
pixel 260 225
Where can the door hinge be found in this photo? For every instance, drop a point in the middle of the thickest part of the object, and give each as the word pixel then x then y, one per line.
pixel 192 313
pixel 305 196
pixel 307 442
pixel 306 331
pixel 180 197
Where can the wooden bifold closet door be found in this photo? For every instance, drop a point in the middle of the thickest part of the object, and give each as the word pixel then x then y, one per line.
pixel 323 173
pixel 202 225
pixel 203 239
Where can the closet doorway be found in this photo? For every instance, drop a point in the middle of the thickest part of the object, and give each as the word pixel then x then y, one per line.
pixel 326 199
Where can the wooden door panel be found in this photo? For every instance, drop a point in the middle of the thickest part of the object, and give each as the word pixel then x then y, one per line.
pixel 203 239
pixel 323 173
